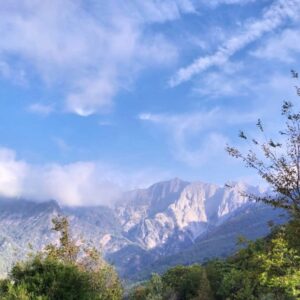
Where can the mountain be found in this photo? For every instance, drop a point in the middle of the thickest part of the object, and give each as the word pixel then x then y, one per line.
pixel 148 229
pixel 24 223
pixel 218 242
pixel 150 216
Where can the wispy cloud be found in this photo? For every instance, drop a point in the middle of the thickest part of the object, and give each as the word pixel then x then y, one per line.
pixel 158 11
pixel 94 50
pixel 230 81
pixel 272 18
pixel 283 47
pixel 228 2
pixel 41 109
pixel 61 144
pixel 8 73
pixel 184 129
pixel 218 84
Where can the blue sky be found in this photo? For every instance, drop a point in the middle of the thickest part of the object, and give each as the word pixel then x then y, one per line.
pixel 100 96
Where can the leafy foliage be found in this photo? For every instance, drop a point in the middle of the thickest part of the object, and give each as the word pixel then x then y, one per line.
pixel 181 282
pixel 276 162
pixel 266 268
pixel 63 271
pixel 270 268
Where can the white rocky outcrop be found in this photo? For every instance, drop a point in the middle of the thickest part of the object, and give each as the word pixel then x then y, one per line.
pixel 151 216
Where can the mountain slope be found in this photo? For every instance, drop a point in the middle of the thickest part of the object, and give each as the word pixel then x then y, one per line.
pixel 169 222
pixel 249 222
pixel 187 208
pixel 24 223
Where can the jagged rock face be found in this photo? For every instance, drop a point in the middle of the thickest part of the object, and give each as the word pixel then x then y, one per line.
pixel 150 216
pixel 143 203
pixel 190 210
pixel 162 220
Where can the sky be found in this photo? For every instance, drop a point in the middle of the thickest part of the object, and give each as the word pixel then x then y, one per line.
pixel 98 97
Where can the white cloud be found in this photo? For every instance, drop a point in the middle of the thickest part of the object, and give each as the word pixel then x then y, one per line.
pixel 228 2
pixel 212 148
pixel 158 11
pixel 93 51
pixel 8 73
pixel 282 47
pixel 79 183
pixel 5 70
pixel 274 17
pixel 230 81
pixel 73 184
pixel 220 85
pixel 91 96
pixel 61 144
pixel 198 120
pixel 204 127
pixel 41 109
pixel 12 174
pixel 106 123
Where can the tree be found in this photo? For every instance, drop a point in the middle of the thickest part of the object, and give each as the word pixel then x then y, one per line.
pixel 67 251
pixel 269 268
pixel 11 292
pixel 51 279
pixel 216 271
pixel 277 162
pixel 281 268
pixel 177 283
pixel 153 289
pixel 62 271
pixel 188 282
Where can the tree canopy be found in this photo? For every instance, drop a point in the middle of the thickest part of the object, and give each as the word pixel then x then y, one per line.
pixel 67 270
pixel 277 162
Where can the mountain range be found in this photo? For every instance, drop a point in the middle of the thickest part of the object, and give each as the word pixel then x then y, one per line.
pixel 171 222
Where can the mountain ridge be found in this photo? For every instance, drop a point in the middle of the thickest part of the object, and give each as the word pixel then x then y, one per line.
pixel 145 226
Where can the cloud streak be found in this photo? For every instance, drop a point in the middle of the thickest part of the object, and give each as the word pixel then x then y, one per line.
pixel 272 18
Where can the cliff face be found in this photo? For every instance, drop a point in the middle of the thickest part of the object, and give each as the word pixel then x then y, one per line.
pixel 150 217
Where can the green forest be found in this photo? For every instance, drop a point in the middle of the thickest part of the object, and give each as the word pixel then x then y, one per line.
pixel 268 268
